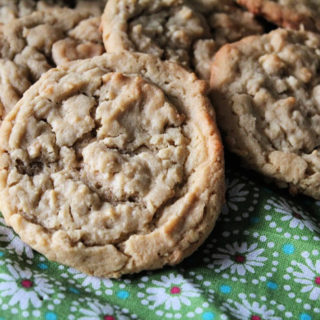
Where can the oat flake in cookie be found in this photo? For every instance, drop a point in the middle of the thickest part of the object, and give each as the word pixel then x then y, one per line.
pixel 266 91
pixel 187 32
pixel 287 13
pixel 112 165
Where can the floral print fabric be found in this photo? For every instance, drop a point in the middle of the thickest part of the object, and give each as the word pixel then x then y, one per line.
pixel 261 262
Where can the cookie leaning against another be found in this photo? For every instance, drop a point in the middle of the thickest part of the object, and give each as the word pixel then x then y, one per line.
pixel 287 13
pixel 31 45
pixel 187 32
pixel 113 165
pixel 266 90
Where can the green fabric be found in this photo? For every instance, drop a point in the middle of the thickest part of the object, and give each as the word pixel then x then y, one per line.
pixel 261 262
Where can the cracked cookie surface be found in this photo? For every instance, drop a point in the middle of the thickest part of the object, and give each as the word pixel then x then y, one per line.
pixel 266 90
pixel 187 32
pixel 287 13
pixel 112 165
pixel 31 45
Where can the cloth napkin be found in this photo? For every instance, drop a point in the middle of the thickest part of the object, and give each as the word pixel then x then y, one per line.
pixel 261 262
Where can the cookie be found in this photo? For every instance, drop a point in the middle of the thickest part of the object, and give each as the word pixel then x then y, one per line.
pixel 287 13
pixel 187 32
pixel 31 45
pixel 267 97
pixel 112 165
pixel 12 9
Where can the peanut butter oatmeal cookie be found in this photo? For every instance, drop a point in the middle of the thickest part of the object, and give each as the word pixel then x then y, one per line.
pixel 112 165
pixel 11 9
pixel 187 32
pixel 287 13
pixel 266 90
pixel 31 45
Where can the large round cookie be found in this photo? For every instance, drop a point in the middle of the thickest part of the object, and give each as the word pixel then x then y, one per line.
pixel 33 44
pixel 112 165
pixel 187 32
pixel 287 13
pixel 266 90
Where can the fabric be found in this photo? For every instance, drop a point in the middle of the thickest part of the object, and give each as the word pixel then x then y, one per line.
pixel 262 262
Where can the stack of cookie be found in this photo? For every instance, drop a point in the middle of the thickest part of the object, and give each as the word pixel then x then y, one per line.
pixel 113 163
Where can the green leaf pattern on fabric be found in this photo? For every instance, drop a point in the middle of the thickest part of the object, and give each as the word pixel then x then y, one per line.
pixel 262 262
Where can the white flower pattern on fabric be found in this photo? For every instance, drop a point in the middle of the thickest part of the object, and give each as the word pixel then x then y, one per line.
pixel 95 282
pixel 94 310
pixel 25 287
pixel 250 311
pixel 295 216
pixel 173 292
pixel 14 242
pixel 235 195
pixel 239 258
pixel 308 275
